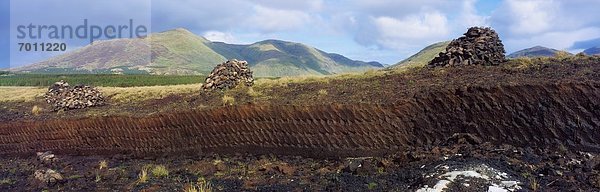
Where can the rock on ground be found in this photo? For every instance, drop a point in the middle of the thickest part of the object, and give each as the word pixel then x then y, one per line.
pixel 61 96
pixel 48 176
pixel 478 46
pixel 228 75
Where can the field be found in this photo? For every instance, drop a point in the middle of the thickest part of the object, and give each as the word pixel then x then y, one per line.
pixel 531 122
pixel 103 80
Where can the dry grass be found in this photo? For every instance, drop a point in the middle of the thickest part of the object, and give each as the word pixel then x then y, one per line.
pixel 103 164
pixel 36 110
pixel 323 92
pixel 137 94
pixel 6 181
pixel 132 94
pixel 160 171
pixel 253 93
pixel 201 186
pixel 284 81
pixel 143 176
pixel 533 184
pixel 228 100
pixel 117 94
pixel 21 94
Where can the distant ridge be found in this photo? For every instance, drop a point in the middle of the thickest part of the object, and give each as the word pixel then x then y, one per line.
pixel 422 57
pixel 592 51
pixel 537 51
pixel 180 52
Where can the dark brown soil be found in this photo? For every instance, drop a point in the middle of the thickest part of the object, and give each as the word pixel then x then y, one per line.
pixel 537 122
pixel 543 169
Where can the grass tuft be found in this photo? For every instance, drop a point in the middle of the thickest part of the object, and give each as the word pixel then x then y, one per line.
pixel 143 176
pixel 6 181
pixel 323 92
pixel 103 164
pixel 253 93
pixel 533 184
pixel 202 185
pixel 36 110
pixel 160 171
pixel 372 186
pixel 228 100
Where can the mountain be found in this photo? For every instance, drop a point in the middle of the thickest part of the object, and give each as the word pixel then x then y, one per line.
pixel 422 57
pixel 281 58
pixel 537 51
pixel 179 51
pixel 592 51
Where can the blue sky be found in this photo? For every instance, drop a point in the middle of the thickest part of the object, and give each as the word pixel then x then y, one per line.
pixel 376 30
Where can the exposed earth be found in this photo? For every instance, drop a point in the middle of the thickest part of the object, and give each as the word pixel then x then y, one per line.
pixel 475 166
pixel 526 125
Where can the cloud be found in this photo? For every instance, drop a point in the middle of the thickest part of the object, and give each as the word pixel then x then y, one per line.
pixel 68 12
pixel 400 8
pixel 584 44
pixel 553 23
pixel 397 33
pixel 469 16
pixel 270 20
pixel 406 26
pixel 562 40
pixel 397 28
pixel 198 16
pixel 303 5
pixel 220 37
pixel 531 17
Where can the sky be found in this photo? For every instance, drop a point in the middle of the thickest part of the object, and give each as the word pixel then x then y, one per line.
pixel 375 30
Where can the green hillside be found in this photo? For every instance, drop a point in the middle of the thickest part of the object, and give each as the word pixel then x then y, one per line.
pixel 180 52
pixel 275 58
pixel 537 51
pixel 422 57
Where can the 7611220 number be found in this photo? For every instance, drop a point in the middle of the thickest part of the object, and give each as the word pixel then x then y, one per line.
pixel 42 46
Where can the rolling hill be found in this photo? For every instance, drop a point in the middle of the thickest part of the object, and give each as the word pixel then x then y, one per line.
pixel 281 58
pixel 537 51
pixel 592 51
pixel 422 57
pixel 179 51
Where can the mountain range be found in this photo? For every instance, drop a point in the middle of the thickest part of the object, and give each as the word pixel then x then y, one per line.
pixel 537 51
pixel 180 51
pixel 425 55
pixel 592 51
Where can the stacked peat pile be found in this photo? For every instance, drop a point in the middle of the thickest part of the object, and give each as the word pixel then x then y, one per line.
pixel 478 46
pixel 228 75
pixel 64 97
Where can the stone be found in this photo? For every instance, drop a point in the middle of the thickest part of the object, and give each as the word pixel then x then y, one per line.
pixel 48 176
pixel 478 46
pixel 61 96
pixel 46 156
pixel 229 75
pixel 352 165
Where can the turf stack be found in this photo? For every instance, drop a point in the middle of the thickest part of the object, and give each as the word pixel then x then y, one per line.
pixel 64 97
pixel 478 46
pixel 228 75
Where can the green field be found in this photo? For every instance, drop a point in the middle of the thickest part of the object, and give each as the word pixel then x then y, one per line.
pixel 103 80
